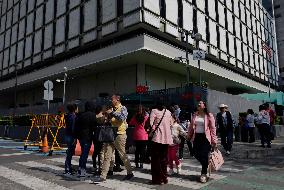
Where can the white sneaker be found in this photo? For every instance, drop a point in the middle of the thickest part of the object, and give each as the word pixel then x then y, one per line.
pixel 203 178
pixel 228 152
pixel 179 168
pixel 171 171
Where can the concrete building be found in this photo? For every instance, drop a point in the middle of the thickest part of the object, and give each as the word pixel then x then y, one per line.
pixel 113 45
pixel 279 21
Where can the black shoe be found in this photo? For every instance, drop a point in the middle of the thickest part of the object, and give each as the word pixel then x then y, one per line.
pixel 269 146
pixel 110 173
pixel 98 180
pixel 117 169
pixel 141 165
pixel 128 177
pixel 262 146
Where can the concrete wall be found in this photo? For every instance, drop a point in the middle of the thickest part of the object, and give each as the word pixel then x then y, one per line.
pixel 236 104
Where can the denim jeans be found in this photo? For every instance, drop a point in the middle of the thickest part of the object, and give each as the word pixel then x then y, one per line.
pixel 85 147
pixel 227 139
pixel 69 153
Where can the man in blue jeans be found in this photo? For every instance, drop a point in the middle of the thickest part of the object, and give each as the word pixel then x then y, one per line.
pixel 70 136
pixel 86 124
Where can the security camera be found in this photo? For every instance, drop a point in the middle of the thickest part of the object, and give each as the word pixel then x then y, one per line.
pixel 177 59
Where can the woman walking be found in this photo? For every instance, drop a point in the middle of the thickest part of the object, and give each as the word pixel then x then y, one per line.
pixel 177 132
pixel 202 132
pixel 250 123
pixel 161 121
pixel 140 136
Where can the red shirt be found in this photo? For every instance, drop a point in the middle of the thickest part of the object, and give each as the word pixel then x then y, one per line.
pixel 139 132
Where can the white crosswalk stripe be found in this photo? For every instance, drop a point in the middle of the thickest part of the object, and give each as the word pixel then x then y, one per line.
pixel 28 180
pixel 172 180
pixel 14 154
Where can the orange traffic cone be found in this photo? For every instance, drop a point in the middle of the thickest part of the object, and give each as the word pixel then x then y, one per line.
pixel 44 147
pixel 78 150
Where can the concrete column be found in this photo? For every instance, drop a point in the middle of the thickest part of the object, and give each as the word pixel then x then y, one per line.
pixel 141 74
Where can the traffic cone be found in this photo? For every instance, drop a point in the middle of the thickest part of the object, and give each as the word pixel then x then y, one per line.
pixel 78 150
pixel 44 147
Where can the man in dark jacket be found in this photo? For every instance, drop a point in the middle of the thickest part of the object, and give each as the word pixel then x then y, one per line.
pixel 70 136
pixel 225 126
pixel 86 123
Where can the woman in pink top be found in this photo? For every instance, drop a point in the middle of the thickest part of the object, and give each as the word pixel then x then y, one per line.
pixel 202 132
pixel 161 140
pixel 140 136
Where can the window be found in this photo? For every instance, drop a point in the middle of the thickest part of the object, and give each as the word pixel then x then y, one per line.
pixel 163 8
pixel 180 14
pixel 278 15
pixel 276 6
pixel 119 8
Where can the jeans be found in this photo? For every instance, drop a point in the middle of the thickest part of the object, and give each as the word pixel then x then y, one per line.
pixel 227 139
pixel 69 153
pixel 85 147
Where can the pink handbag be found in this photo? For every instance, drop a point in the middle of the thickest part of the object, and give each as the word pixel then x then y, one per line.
pixel 215 161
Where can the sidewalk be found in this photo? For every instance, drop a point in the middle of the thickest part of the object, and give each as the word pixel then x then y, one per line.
pixel 242 150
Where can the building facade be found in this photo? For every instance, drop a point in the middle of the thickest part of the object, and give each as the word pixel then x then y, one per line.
pixel 279 22
pixel 113 45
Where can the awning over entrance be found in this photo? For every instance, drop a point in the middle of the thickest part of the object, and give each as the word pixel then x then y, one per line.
pixel 275 97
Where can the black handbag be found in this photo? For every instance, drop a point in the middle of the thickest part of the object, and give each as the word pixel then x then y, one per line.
pixel 106 134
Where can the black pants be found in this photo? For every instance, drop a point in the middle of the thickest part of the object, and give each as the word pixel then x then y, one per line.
pixel 159 162
pixel 97 149
pixel 148 151
pixel 140 151
pixel 244 134
pixel 201 148
pixel 227 139
pixel 265 133
pixel 251 135
pixel 181 147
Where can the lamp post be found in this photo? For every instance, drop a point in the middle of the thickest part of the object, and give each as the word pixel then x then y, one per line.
pixel 197 37
pixel 64 84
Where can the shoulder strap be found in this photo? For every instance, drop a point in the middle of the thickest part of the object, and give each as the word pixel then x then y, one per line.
pixel 158 126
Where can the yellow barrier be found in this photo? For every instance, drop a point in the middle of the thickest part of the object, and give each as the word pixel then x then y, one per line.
pixel 44 124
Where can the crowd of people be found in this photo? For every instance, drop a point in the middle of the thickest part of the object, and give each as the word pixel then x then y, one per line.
pixel 159 135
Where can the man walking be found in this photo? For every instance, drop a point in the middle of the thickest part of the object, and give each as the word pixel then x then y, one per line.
pixel 119 115
pixel 225 126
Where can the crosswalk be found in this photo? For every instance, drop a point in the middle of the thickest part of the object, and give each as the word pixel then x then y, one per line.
pixel 55 166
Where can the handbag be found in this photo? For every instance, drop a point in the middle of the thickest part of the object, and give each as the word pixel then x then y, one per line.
pixel 152 132
pixel 106 134
pixel 176 140
pixel 216 160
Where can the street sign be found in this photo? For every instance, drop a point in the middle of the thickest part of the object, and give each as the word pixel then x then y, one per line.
pixel 198 55
pixel 48 93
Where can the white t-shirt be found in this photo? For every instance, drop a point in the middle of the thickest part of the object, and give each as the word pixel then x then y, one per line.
pixel 200 126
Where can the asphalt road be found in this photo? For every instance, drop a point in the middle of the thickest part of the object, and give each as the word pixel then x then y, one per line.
pixel 25 170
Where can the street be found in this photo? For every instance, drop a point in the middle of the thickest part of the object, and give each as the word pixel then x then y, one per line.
pixel 25 170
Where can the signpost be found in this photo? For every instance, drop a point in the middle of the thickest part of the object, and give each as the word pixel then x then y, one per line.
pixel 198 55
pixel 48 93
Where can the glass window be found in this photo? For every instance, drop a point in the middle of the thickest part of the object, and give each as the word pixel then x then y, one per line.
pixel 21 29
pixel 30 23
pixel 39 17
pixel 48 35
pixel 74 3
pixel 14 33
pixel 7 38
pixel 20 50
pixel 31 5
pixel 37 42
pixel 49 11
pixel 15 13
pixel 60 30
pixel 61 7
pixel 74 23
pixel 23 8
pixel 28 47
pixel 90 15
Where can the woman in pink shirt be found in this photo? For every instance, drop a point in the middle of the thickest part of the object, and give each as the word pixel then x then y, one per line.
pixel 202 132
pixel 160 119
pixel 140 136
